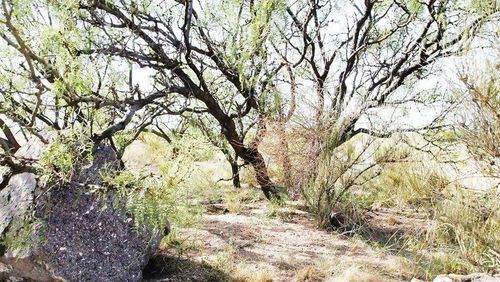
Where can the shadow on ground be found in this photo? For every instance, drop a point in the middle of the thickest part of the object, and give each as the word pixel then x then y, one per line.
pixel 165 267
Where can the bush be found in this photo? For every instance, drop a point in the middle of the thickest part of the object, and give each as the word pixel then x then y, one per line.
pixel 468 224
pixel 463 231
pixel 340 170
pixel 60 160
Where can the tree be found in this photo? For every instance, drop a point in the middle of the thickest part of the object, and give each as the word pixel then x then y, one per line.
pixel 103 67
pixel 46 87
pixel 480 115
pixel 226 73
pixel 369 61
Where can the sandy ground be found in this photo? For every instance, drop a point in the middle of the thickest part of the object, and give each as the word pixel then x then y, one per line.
pixel 284 248
pixel 253 245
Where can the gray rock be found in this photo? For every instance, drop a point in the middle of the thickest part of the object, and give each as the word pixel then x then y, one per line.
pixel 88 239
pixel 32 150
pixel 474 277
pixel 4 176
pixel 82 232
pixel 16 199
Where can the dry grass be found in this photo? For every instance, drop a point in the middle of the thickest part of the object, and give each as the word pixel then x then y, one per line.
pixel 235 199
pixel 335 270
pixel 308 274
pixel 250 273
pixel 462 234
pixel 355 274
pixel 319 271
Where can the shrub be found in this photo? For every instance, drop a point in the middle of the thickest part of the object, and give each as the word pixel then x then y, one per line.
pixel 463 232
pixel 58 162
pixel 339 170
pixel 468 224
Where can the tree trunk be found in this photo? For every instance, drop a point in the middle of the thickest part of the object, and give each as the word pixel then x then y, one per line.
pixel 259 165
pixel 9 145
pixel 257 161
pixel 286 164
pixel 252 156
pixel 235 170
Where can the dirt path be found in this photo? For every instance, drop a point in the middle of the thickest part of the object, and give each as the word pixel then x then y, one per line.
pixel 254 246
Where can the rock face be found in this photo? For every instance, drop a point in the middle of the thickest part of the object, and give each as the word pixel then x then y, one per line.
pixel 16 199
pixel 82 233
pixel 89 240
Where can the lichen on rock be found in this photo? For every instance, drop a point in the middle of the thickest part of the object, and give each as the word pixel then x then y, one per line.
pixel 78 232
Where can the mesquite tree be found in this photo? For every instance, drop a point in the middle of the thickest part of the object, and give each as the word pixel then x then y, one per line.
pixel 46 86
pixel 105 66
pixel 363 57
pixel 77 60
pixel 217 64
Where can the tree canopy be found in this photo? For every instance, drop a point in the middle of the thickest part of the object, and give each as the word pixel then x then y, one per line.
pixel 101 67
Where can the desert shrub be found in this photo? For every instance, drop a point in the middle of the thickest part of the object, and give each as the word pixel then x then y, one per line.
pixel 462 234
pixel 161 199
pixel 480 118
pixel 339 171
pixel 468 224
pixel 59 161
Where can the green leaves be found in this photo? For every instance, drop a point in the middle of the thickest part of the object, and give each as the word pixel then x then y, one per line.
pixel 59 161
pixel 485 7
pixel 415 6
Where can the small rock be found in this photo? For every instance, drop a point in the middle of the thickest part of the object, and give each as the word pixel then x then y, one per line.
pixel 32 150
pixel 16 199
pixel 473 277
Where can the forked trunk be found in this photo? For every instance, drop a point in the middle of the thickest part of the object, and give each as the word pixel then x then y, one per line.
pixel 250 154
pixel 254 157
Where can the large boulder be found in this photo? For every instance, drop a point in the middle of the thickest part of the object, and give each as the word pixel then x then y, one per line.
pixel 79 231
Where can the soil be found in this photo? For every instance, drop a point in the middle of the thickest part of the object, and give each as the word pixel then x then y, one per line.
pixel 282 246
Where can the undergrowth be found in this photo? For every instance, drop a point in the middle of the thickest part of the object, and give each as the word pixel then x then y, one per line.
pixel 460 231
pixel 462 234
